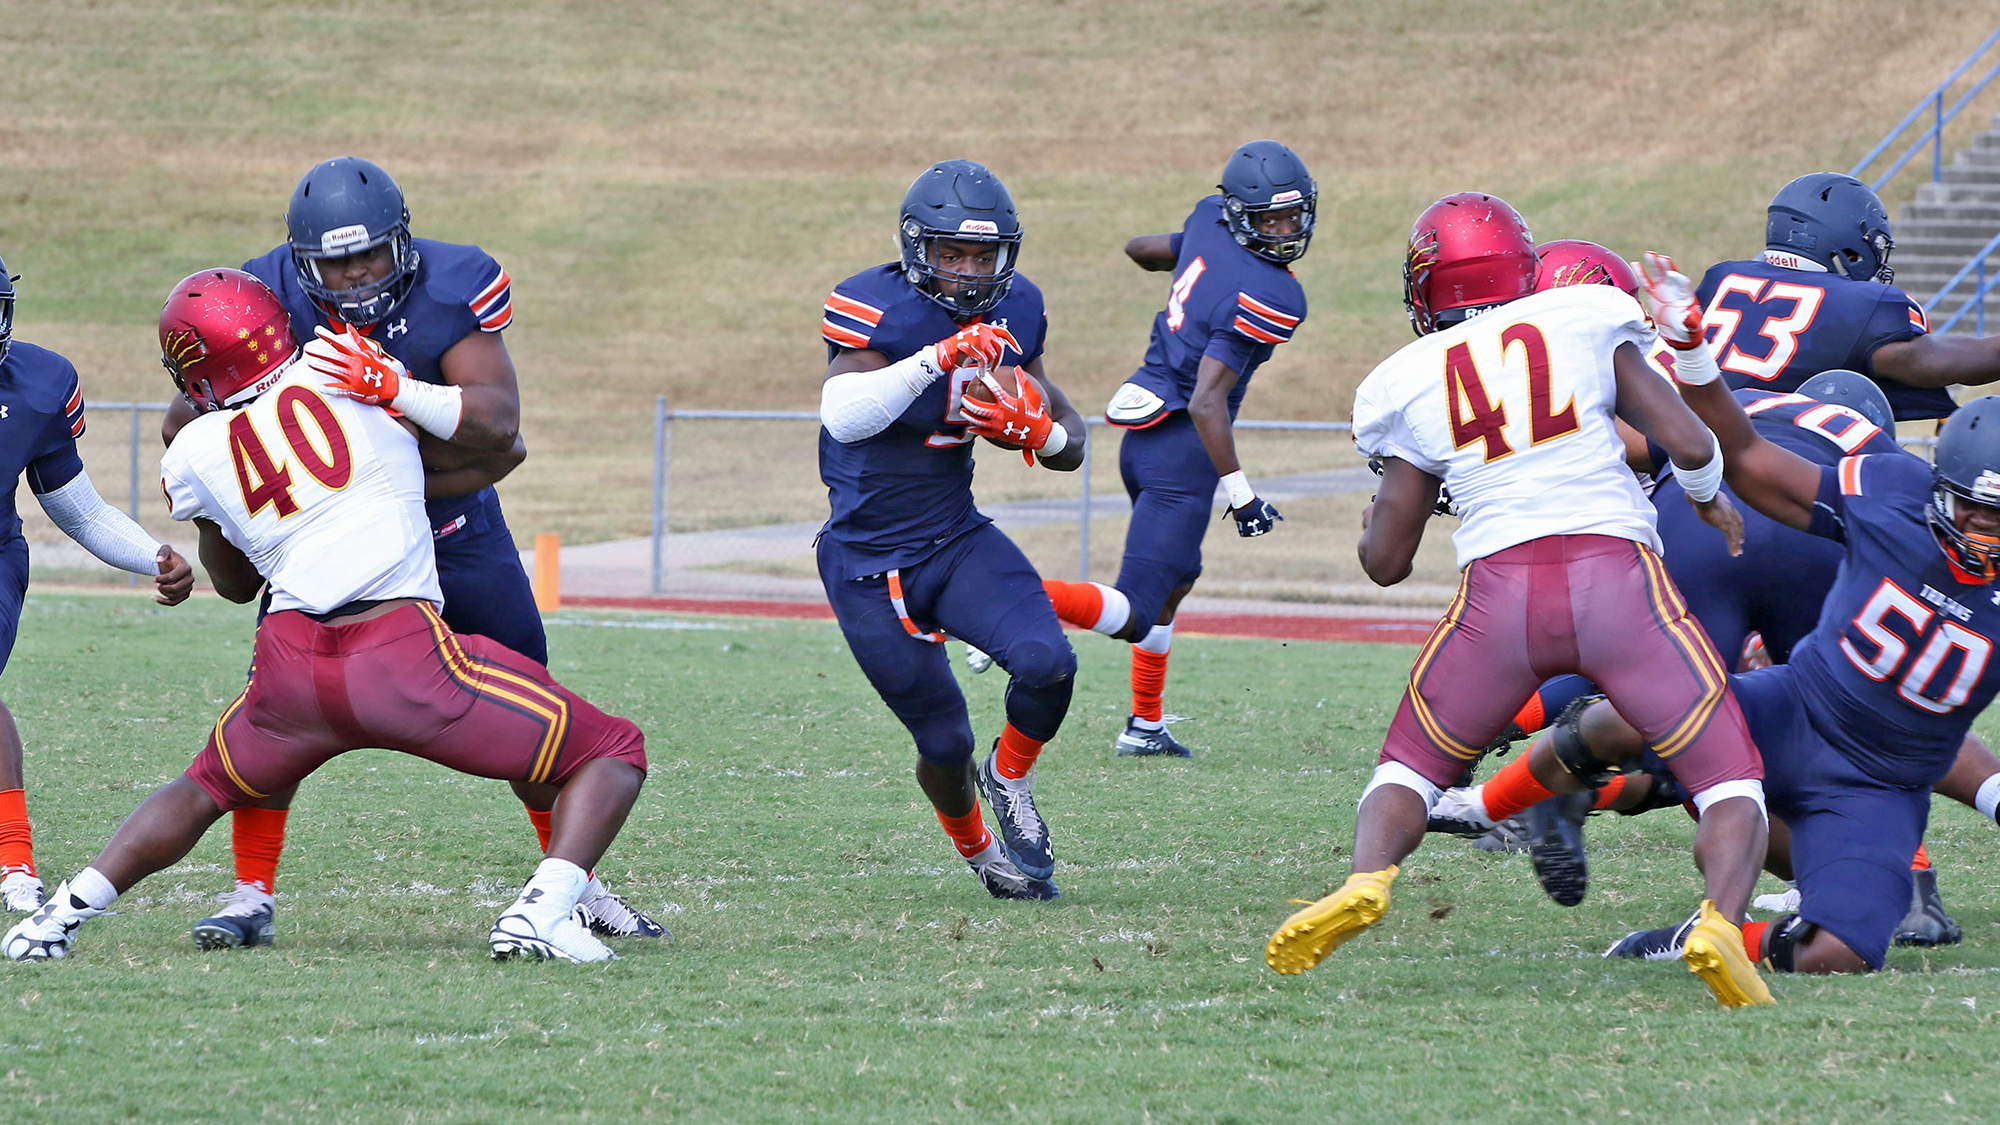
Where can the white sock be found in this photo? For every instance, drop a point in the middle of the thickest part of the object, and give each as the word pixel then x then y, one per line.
pixel 1116 612
pixel 1988 798
pixel 560 879
pixel 91 888
pixel 1478 796
pixel 1158 640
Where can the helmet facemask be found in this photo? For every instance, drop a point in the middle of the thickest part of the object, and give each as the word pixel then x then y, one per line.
pixel 367 304
pixel 1282 249
pixel 1977 553
pixel 970 294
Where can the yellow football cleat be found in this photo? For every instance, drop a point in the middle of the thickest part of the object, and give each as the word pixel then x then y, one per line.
pixel 1308 936
pixel 1714 952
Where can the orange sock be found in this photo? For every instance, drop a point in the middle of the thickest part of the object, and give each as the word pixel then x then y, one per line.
pixel 1077 603
pixel 1513 789
pixel 1753 940
pixel 1530 717
pixel 1922 860
pixel 968 833
pixel 1149 679
pixel 1609 792
pixel 258 837
pixel 1016 754
pixel 17 836
pixel 544 822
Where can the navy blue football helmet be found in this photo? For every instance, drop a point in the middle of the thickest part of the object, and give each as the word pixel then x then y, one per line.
pixel 963 201
pixel 1855 391
pixel 344 206
pixel 7 281
pixel 1267 176
pixel 1967 468
pixel 1834 220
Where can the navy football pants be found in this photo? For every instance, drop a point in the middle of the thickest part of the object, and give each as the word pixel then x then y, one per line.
pixel 486 590
pixel 13 591
pixel 1172 484
pixel 980 589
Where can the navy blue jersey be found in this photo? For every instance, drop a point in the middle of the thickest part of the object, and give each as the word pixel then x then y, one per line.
pixel 41 416
pixel 1820 432
pixel 901 494
pixel 458 290
pixel 1224 302
pixel 1773 327
pixel 1900 662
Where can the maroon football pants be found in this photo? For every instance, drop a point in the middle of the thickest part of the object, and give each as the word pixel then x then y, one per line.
pixel 1594 605
pixel 403 681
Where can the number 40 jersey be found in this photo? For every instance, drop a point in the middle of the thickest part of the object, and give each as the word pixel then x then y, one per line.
pixel 323 494
pixel 1512 409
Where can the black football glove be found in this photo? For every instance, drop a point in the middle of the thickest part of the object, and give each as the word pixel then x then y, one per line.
pixel 1443 507
pixel 1256 518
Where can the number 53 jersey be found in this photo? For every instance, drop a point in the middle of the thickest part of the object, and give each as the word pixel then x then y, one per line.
pixel 323 494
pixel 1512 409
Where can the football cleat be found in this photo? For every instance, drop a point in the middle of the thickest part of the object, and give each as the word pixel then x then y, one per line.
pixel 46 934
pixel 1459 812
pixel 977 660
pixel 245 920
pixel 1927 924
pixel 1002 879
pixel 1023 833
pixel 611 916
pixel 1714 952
pixel 1322 927
pixel 21 891
pixel 1655 945
pixel 1136 741
pixel 536 928
pixel 1784 902
pixel 1510 835
pixel 1555 845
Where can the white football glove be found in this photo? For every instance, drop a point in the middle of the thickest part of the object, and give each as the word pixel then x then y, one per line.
pixel 1670 299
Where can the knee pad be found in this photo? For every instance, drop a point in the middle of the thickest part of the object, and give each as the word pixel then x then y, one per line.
pixel 942 745
pixel 1035 663
pixel 1566 739
pixel 1783 939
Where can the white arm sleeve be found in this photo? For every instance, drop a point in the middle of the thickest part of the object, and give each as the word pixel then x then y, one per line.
pixel 103 530
pixel 860 404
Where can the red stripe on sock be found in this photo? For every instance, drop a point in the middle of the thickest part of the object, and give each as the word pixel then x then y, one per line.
pixel 1753 940
pixel 544 821
pixel 17 836
pixel 1513 789
pixel 968 833
pixel 1077 603
pixel 258 838
pixel 1609 792
pixel 1530 717
pixel 1015 755
pixel 1149 680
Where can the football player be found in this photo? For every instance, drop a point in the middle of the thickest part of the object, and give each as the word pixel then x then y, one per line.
pixel 1232 302
pixel 1509 399
pixel 297 476
pixel 1872 709
pixel 1819 297
pixel 905 557
pixel 439 309
pixel 42 403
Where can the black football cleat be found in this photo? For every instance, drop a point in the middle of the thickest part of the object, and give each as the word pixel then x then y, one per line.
pixel 1927 924
pixel 1555 845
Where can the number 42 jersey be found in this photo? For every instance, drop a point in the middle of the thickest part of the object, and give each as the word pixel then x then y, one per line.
pixel 1512 409
pixel 323 494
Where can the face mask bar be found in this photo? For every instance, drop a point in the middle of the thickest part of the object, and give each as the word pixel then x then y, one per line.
pixel 976 292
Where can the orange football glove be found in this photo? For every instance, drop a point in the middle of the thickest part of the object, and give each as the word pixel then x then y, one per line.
pixel 355 365
pixel 973 344
pixel 1669 298
pixel 1019 420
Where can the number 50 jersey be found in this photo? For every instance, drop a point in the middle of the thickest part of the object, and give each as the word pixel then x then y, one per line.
pixel 1513 411
pixel 323 494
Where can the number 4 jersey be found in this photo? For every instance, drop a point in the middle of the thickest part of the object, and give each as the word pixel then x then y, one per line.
pixel 1513 411
pixel 323 494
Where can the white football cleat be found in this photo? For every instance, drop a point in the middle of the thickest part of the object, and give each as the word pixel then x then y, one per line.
pixel 1786 902
pixel 612 916
pixel 46 934
pixel 978 660
pixel 21 891
pixel 533 927
pixel 1460 812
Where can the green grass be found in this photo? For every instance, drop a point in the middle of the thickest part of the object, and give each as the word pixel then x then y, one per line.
pixel 832 960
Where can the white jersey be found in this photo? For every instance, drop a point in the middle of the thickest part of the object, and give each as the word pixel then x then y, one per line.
pixel 1513 410
pixel 323 494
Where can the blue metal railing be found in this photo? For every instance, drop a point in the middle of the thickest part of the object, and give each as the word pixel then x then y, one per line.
pixel 1940 117
pixel 1981 286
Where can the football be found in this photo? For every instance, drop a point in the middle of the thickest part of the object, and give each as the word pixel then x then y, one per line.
pixel 1009 379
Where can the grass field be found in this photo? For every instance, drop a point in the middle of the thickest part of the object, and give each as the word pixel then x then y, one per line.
pixel 831 959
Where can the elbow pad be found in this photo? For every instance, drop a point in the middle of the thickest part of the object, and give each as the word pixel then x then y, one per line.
pixel 99 528
pixel 860 404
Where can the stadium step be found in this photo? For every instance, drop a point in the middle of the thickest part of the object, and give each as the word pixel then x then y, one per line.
pixel 1946 224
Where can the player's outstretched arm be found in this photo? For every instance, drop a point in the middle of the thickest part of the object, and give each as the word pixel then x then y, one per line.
pixel 227 567
pixel 1208 409
pixel 1392 525
pixel 1153 252
pixel 1648 403
pixel 1939 361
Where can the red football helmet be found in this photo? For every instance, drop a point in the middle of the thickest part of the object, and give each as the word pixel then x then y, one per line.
pixel 1466 251
pixel 224 337
pixel 1572 261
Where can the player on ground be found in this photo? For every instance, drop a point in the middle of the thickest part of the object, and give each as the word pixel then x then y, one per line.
pixel 1232 302
pixel 906 558
pixel 41 401
pixel 1819 298
pixel 1509 400
pixel 292 481
pixel 1872 710
pixel 439 308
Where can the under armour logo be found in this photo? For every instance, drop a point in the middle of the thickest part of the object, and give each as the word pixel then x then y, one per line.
pixel 401 326
pixel 3 410
pixel 1013 431
pixel 1996 593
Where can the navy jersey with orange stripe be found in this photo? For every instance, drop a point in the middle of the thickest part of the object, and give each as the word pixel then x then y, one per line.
pixel 1224 302
pixel 1773 327
pixel 901 494
pixel 1900 662
pixel 41 416
pixel 459 290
